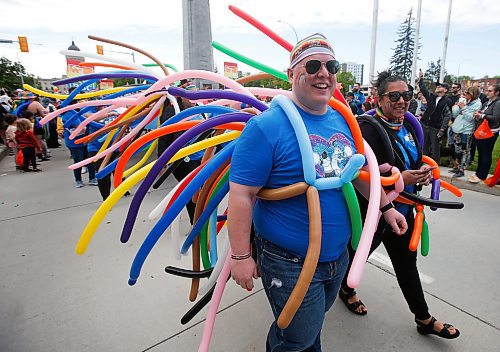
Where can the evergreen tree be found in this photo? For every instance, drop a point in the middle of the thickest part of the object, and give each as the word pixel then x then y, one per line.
pixel 433 70
pixel 402 58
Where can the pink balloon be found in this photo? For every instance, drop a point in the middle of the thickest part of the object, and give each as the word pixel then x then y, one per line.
pixel 370 225
pixel 54 114
pixel 125 139
pixel 214 305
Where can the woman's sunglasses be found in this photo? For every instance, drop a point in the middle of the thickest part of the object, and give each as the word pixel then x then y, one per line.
pixel 313 66
pixel 394 96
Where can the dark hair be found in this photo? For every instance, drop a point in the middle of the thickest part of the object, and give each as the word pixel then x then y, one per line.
pixel 10 119
pixel 383 79
pixel 359 84
pixel 350 94
pixel 457 84
pixel 496 87
pixel 367 105
pixel 27 115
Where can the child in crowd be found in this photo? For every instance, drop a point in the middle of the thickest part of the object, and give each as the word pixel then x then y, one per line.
pixel 10 120
pixel 26 141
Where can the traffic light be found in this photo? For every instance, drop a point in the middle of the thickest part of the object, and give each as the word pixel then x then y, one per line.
pixel 100 49
pixel 23 44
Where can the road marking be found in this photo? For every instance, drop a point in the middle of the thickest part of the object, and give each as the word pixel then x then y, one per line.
pixel 385 260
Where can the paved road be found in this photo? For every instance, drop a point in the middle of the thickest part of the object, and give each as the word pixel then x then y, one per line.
pixel 55 300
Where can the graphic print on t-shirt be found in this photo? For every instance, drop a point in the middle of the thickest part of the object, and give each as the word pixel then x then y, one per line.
pixel 330 156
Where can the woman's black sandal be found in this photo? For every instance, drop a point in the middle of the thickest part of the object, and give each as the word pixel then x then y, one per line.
pixel 351 306
pixel 428 329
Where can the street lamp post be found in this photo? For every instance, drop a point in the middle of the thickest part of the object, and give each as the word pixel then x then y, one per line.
pixel 458 71
pixel 293 29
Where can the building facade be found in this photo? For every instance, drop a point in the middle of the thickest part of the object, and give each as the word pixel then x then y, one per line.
pixel 355 69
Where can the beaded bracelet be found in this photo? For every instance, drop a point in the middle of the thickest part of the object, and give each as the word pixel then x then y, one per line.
pixel 241 256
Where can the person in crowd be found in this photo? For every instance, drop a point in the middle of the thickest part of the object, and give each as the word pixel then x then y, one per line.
pixel 485 146
pixel 455 94
pixel 350 98
pixel 483 89
pixel 10 133
pixel 27 142
pixel 36 108
pixel 78 151
pixel 435 118
pixel 53 137
pixel 413 103
pixel 462 129
pixel 423 107
pixel 367 106
pixel 267 155
pixel 394 99
pixel 373 97
pixel 359 97
pixel 418 98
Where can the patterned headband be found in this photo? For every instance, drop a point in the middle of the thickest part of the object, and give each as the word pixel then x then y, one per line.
pixel 313 44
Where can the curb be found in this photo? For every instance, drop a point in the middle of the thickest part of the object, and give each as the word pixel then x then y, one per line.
pixel 462 183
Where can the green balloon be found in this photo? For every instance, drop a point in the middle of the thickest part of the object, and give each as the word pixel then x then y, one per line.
pixel 424 241
pixel 250 62
pixel 166 65
pixel 354 213
pixel 205 258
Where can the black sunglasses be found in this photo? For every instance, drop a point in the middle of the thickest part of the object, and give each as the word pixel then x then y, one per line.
pixel 313 66
pixel 394 96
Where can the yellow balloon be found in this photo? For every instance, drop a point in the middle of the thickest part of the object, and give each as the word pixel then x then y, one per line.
pixel 113 198
pixel 78 96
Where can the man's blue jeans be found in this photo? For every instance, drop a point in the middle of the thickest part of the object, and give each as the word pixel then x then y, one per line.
pixel 279 270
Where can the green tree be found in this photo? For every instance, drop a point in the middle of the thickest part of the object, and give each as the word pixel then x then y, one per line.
pixel 401 60
pixel 10 75
pixel 433 70
pixel 346 79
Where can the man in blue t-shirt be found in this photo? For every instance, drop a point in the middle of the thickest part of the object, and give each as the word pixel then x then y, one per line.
pixel 267 156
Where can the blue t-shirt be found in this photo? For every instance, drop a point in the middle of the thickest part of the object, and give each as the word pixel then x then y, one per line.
pixel 406 139
pixel 267 155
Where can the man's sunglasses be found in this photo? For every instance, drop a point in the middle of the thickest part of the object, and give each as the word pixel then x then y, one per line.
pixel 394 96
pixel 313 66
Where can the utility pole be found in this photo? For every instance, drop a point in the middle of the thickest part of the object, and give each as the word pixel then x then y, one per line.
pixel 371 74
pixel 445 45
pixel 415 47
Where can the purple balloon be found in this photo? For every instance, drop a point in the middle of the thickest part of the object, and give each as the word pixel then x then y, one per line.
pixel 435 190
pixel 217 94
pixel 185 138
pixel 105 75
pixel 417 127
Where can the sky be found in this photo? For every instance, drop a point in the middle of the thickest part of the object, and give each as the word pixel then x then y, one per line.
pixel 156 26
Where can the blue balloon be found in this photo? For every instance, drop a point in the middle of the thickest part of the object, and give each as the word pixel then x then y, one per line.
pixel 207 213
pixel 175 209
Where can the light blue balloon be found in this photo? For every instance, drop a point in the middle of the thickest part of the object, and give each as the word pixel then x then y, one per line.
pixel 305 147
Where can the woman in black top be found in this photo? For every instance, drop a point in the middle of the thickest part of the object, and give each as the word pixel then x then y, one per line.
pixel 400 149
